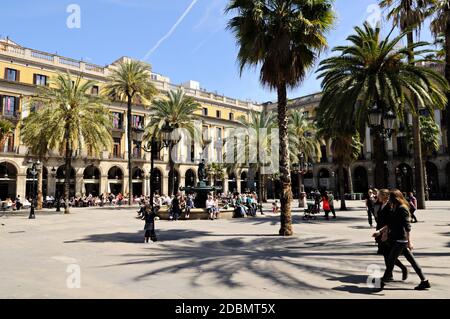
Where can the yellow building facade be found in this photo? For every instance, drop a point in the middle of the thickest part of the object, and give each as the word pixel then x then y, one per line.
pixel 23 70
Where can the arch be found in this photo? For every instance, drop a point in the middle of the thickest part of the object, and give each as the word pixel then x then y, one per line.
pixel 360 180
pixel 156 181
pixel 432 180
pixel 404 177
pixel 189 178
pixel 232 183
pixel 30 180
pixel 91 172
pixel 115 180
pixel 115 172
pixel 324 179
pixel 8 180
pixel 91 180
pixel 60 178
pixel 138 175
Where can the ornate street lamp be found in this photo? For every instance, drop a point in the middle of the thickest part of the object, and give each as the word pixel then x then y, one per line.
pixel 375 117
pixel 34 167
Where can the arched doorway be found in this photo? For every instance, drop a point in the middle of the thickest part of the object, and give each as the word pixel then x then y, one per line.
pixel 156 181
pixel 432 180
pixel 115 180
pixel 324 179
pixel 29 184
pixel 189 178
pixel 8 181
pixel 174 182
pixel 308 181
pixel 244 182
pixel 360 180
pixel 91 180
pixel 138 181
pixel 232 184
pixel 404 178
pixel 60 178
pixel 346 183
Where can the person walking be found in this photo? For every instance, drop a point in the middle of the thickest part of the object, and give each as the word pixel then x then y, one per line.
pixel 370 206
pixel 384 246
pixel 412 201
pixel 398 230
pixel 176 210
pixel 326 205
pixel 331 203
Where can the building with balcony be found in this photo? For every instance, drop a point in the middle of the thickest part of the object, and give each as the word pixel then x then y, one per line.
pixel 23 70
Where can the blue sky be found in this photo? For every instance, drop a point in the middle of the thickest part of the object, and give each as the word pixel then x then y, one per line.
pixel 182 39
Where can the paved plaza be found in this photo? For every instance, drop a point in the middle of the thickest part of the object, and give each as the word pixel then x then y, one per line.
pixel 239 258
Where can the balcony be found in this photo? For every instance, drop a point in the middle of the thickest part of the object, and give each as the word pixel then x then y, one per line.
pixel 120 156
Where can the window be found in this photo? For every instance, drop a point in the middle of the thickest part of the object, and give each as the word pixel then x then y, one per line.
pixel 40 79
pixel 402 147
pixel 137 149
pixel 218 144
pixel 323 150
pixel 9 105
pixel 137 122
pixel 218 114
pixel 117 120
pixel 116 149
pixel 205 111
pixel 11 75
pixel 95 90
pixel 231 117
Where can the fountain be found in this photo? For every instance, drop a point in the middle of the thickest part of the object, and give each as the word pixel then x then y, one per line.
pixel 201 189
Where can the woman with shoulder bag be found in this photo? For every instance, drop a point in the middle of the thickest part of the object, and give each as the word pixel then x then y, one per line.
pixel 399 226
pixel 384 245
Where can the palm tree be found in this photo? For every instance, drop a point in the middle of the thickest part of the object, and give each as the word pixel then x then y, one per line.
pixel 284 38
pixel 259 127
pixel 176 110
pixel 303 141
pixel 6 129
pixel 409 15
pixel 373 72
pixel 130 82
pixel 69 116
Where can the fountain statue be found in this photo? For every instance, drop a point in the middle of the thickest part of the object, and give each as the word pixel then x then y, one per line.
pixel 201 190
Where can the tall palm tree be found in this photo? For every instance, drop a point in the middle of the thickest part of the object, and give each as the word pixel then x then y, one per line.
pixel 303 139
pixel 130 82
pixel 409 15
pixel 284 38
pixel 374 72
pixel 69 115
pixel 259 127
pixel 440 27
pixel 176 110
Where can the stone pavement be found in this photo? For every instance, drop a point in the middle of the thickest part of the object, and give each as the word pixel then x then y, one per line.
pixel 239 258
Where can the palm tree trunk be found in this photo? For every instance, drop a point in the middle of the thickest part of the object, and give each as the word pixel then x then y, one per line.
pixel 130 155
pixel 285 175
pixel 350 179
pixel 447 76
pixel 39 188
pixel 342 186
pixel 68 170
pixel 417 145
pixel 264 188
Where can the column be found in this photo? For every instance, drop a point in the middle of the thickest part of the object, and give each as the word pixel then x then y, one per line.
pixel 390 149
pixel 392 175
pixel 104 185
pixel 238 185
pixel 370 177
pixel 145 180
pixel 165 185
pixel 182 182
pixel 51 184
pixel 79 185
pixel 225 186
pixel 21 185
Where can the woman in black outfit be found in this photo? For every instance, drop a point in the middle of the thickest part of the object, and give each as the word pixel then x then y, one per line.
pixel 384 247
pixel 399 228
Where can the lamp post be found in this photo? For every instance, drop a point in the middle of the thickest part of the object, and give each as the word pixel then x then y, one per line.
pixel 151 147
pixel 34 167
pixel 301 169
pixel 382 123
